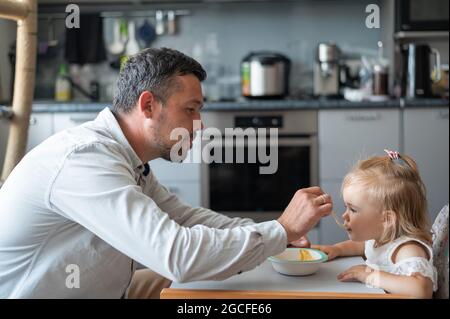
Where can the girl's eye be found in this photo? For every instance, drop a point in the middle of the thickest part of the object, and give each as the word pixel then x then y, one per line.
pixel 352 210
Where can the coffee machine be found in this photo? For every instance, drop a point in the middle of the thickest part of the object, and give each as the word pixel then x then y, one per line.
pixel 417 74
pixel 327 70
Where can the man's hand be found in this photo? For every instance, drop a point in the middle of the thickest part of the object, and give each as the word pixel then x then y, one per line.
pixel 303 242
pixel 306 208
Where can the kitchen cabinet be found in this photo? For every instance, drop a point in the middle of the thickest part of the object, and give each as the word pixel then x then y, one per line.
pixel 187 191
pixel 41 127
pixel 346 136
pixel 426 139
pixel 4 132
pixel 62 121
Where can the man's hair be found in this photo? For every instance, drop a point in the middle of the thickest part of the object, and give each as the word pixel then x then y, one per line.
pixel 152 70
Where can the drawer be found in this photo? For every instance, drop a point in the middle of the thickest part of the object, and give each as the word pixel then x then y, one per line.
pixel 64 121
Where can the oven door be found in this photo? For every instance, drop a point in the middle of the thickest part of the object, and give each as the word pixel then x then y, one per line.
pixel 422 15
pixel 240 190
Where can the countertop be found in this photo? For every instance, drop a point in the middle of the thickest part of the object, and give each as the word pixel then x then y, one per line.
pixel 266 281
pixel 255 105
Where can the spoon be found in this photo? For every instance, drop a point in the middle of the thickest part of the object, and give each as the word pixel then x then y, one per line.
pixel 337 220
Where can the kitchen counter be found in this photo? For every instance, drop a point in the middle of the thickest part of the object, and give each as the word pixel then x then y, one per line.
pixel 254 105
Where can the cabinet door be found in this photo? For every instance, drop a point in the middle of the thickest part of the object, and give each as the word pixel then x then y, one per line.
pixel 189 192
pixel 329 231
pixel 41 127
pixel 345 136
pixel 64 121
pixel 427 141
pixel 4 132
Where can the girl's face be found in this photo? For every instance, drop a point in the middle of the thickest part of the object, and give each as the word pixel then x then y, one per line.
pixel 363 219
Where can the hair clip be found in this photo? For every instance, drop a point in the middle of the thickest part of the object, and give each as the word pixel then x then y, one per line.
pixel 395 157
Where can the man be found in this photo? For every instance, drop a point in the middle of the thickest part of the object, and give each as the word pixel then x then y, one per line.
pixel 83 206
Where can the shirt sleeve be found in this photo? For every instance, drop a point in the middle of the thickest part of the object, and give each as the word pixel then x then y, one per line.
pixel 95 188
pixel 187 215
pixel 414 265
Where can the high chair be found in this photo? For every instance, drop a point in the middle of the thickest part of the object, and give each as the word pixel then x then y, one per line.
pixel 440 252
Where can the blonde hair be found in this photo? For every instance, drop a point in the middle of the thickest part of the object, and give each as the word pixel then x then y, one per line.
pixel 397 186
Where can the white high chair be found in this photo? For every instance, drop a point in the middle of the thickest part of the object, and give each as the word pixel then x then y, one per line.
pixel 440 252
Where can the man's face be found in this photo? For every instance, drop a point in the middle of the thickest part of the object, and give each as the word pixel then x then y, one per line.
pixel 180 111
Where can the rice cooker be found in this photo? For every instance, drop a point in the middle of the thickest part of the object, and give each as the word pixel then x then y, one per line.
pixel 265 74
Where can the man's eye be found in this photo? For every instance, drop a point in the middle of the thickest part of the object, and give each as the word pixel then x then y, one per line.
pixel 191 111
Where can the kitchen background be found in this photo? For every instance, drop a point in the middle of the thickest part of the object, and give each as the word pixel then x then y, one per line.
pixel 220 34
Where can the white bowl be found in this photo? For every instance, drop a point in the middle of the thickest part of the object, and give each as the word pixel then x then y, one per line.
pixel 289 263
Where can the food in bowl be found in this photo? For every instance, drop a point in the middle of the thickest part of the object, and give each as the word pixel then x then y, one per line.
pixel 305 255
pixel 298 261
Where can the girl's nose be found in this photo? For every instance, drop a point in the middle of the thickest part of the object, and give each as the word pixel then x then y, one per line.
pixel 346 216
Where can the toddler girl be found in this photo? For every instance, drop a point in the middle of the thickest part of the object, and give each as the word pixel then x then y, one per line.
pixel 386 221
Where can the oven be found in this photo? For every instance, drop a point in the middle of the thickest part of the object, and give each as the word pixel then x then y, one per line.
pixel 254 172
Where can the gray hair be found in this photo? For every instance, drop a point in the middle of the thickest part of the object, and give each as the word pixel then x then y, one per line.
pixel 152 70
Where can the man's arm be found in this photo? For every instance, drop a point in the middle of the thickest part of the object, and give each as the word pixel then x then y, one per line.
pixel 96 189
pixel 187 215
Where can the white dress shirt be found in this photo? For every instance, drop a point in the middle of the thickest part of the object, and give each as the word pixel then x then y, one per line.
pixel 81 199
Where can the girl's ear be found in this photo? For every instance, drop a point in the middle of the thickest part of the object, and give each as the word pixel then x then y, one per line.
pixel 389 218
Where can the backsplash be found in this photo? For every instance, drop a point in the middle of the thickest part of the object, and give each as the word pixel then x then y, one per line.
pixel 292 28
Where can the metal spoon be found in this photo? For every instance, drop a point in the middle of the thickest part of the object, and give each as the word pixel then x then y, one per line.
pixel 337 220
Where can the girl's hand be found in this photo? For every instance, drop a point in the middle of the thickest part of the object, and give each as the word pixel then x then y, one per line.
pixel 356 273
pixel 331 251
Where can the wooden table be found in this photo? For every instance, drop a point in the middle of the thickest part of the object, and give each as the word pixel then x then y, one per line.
pixel 264 282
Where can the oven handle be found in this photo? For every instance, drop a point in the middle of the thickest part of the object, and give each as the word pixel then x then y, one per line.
pixel 253 141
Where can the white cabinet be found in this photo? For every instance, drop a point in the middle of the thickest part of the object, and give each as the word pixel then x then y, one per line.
pixel 346 136
pixel 62 121
pixel 189 192
pixel 426 138
pixel 4 132
pixel 41 127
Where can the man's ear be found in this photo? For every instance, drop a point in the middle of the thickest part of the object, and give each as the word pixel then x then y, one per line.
pixel 148 104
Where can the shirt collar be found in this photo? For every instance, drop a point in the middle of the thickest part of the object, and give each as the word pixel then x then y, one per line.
pixel 107 119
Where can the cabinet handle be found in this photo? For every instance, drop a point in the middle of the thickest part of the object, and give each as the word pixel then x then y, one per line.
pixel 81 119
pixel 443 115
pixel 364 117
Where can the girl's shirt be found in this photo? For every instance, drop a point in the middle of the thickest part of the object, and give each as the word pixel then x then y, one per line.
pixel 380 258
